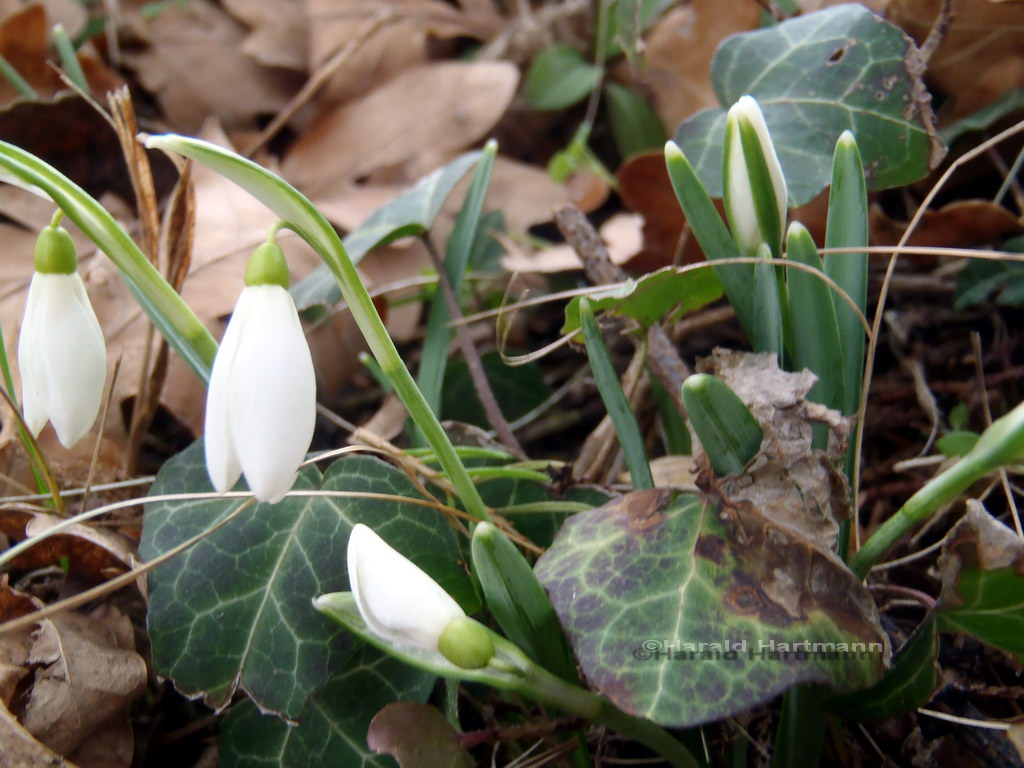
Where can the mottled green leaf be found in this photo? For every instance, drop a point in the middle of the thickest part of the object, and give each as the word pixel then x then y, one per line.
pixel 332 729
pixel 650 297
pixel 639 586
pixel 814 77
pixel 234 611
pixel 411 213
pixel 558 77
pixel 907 685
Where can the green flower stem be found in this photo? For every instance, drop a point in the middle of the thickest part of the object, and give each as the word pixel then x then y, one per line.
pixel 310 224
pixel 1002 443
pixel 544 687
pixel 168 311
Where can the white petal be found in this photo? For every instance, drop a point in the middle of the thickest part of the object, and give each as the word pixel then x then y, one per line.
pixel 33 395
pixel 739 199
pixel 751 110
pixel 396 599
pixel 273 407
pixel 221 460
pixel 68 358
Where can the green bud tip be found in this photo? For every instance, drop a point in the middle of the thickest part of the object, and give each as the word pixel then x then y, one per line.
pixel 466 643
pixel 55 252
pixel 267 266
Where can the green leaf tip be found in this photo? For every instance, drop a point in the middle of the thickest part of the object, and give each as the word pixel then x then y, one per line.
pixel 727 429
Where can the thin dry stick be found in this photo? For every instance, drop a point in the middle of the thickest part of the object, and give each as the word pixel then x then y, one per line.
pixel 119 581
pixel 94 461
pixel 326 70
pixel 987 407
pixel 476 369
pixel 869 363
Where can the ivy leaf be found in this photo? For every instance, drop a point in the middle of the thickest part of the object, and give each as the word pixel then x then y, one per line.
pixel 333 727
pixel 235 611
pixel 690 612
pixel 814 77
pixel 982 594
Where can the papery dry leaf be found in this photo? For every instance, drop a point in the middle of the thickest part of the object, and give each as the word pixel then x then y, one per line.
pixel 679 50
pixel 621 234
pixel 417 120
pixel 390 36
pixel 93 551
pixel 21 750
pixel 279 35
pixel 89 676
pixel 789 483
pixel 981 56
pixel 14 646
pixel 195 66
pixel 960 224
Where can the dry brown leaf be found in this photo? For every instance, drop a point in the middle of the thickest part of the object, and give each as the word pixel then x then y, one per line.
pixel 621 234
pixel 88 676
pixel 280 31
pixel 23 751
pixel 23 43
pixel 400 42
pixel 14 646
pixel 961 224
pixel 789 483
pixel 415 121
pixel 679 49
pixel 195 66
pixel 981 56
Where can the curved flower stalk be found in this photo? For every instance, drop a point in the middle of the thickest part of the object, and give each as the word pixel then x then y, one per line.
pixel 61 352
pixel 755 188
pixel 261 404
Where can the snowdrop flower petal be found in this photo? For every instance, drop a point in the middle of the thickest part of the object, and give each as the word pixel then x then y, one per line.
pixel 752 215
pixel 396 599
pixel 261 403
pixel 61 352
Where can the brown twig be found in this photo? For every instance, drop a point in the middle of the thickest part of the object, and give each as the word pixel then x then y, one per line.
pixel 476 369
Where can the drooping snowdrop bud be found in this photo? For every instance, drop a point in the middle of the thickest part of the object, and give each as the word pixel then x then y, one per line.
pixel 61 352
pixel 401 604
pixel 755 189
pixel 261 403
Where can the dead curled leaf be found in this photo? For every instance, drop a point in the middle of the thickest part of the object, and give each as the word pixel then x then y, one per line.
pixel 978 542
pixel 87 675
pixel 796 488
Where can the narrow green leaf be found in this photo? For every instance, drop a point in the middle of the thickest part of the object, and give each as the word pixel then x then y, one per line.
pixel 727 430
pixel 435 344
pixel 636 127
pixel 411 213
pixel 847 227
pixel 677 436
pixel 800 734
pixel 68 58
pixel 19 83
pixel 908 684
pixel 518 601
pixel 559 77
pixel 610 388
pixel 816 342
pixel 1005 105
pixel 770 306
pixel 712 234
pixel 165 308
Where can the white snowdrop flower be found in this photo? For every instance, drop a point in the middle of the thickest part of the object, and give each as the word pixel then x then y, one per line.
pixel 261 402
pixel 61 353
pixel 756 198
